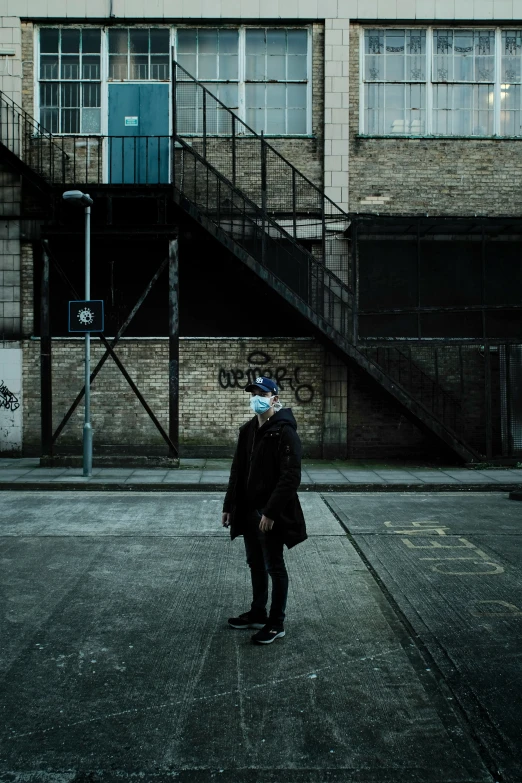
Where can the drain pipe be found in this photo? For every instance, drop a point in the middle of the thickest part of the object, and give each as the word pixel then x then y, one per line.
pixel 111 9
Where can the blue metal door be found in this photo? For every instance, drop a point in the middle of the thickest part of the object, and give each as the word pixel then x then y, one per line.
pixel 138 133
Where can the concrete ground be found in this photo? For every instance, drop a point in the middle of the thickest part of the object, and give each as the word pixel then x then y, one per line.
pixel 401 661
pixel 212 474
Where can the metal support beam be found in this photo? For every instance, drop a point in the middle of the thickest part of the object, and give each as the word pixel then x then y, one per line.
pixel 487 390
pixel 174 346
pixel 46 358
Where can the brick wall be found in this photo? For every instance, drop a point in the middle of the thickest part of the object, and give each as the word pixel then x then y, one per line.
pixel 213 403
pixel 439 176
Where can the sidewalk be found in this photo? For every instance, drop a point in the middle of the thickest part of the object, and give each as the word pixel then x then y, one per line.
pixel 212 475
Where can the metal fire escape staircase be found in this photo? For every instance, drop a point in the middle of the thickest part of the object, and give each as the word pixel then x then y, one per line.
pixel 284 228
pixel 269 215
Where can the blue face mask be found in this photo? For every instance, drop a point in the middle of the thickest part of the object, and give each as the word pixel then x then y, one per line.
pixel 260 404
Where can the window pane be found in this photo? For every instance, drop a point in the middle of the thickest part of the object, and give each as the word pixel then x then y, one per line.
pixel 297 41
pixel 70 41
pixel 139 66
pixel 91 41
pixel 70 67
pixel 256 119
pixel 255 95
pixel 91 120
pixel 160 41
pixel 296 67
pixel 207 41
pixel 207 67
pixel 90 95
pixel 394 119
pixel 296 122
pixel 374 108
pixel 49 40
pixel 139 41
pixel 49 119
pixel 276 42
pixel 189 63
pixel 228 66
pixel 296 96
pixel 90 66
pixel 228 93
pixel 119 41
pixel 255 42
pixel 276 67
pixel 463 69
pixel 510 110
pixel 160 67
pixel 49 66
pixel 70 95
pixel 118 66
pixel 48 95
pixel 255 67
pixel 415 55
pixel 187 41
pixel 276 95
pixel 70 120
pixel 228 41
pixel 511 56
pixel 395 55
pixel 275 121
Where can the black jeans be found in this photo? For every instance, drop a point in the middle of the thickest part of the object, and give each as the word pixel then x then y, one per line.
pixel 264 553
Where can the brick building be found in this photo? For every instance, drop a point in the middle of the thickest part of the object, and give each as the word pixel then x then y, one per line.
pixel 323 191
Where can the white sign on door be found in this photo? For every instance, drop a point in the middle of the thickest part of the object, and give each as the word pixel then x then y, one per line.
pixel 132 121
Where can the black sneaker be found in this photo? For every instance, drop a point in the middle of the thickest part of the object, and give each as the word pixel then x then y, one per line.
pixel 268 634
pixel 247 620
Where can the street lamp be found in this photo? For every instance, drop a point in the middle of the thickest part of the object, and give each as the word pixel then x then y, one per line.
pixel 84 200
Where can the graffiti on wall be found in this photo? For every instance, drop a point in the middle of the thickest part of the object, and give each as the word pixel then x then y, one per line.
pixel 286 378
pixel 7 398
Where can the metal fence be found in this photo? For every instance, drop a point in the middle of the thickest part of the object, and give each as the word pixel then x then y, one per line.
pixel 30 142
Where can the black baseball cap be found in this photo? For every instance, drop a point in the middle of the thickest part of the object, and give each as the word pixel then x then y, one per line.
pixel 266 384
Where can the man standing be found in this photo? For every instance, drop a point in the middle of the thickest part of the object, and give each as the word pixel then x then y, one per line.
pixel 261 504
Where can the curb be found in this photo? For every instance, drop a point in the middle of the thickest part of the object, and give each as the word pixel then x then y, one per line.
pixel 32 486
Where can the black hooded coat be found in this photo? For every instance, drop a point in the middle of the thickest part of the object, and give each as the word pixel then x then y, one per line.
pixel 265 476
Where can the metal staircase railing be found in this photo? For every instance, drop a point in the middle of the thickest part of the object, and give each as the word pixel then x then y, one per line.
pixel 264 175
pixel 30 142
pixel 301 278
pixel 401 367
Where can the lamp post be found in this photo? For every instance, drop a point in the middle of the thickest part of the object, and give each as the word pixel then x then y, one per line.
pixel 84 200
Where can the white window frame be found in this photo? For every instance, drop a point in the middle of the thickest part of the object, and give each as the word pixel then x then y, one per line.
pixel 104 80
pixel 242 81
pixel 497 87
pixel 37 81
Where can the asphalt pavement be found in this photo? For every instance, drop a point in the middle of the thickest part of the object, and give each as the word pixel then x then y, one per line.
pixel 401 662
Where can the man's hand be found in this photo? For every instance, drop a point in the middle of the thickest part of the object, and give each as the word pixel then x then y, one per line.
pixel 225 519
pixel 266 524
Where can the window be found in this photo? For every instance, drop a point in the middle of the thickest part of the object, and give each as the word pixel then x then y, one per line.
pixel 442 82
pixel 463 82
pixel 70 76
pixel 276 80
pixel 212 57
pixel 267 86
pixel 139 54
pixel 395 72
